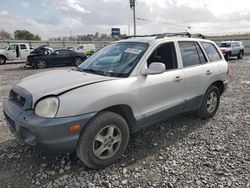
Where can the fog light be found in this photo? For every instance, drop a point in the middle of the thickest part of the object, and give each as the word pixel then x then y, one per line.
pixel 74 128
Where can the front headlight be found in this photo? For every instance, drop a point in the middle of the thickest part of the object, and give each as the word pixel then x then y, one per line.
pixel 47 107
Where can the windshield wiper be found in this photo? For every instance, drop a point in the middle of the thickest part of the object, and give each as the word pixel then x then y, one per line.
pixel 94 71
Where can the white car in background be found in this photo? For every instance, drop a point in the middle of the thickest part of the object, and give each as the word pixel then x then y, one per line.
pixel 231 48
pixel 87 49
pixel 16 52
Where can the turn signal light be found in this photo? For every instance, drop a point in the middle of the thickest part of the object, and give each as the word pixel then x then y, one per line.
pixel 74 128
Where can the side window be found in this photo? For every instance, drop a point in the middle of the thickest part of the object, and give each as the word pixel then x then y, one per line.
pixel 211 51
pixel 12 47
pixel 164 53
pixel 189 53
pixel 62 52
pixel 200 53
pixel 23 47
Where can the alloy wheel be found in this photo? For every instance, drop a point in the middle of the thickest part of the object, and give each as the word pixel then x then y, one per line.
pixel 212 102
pixel 41 64
pixel 107 142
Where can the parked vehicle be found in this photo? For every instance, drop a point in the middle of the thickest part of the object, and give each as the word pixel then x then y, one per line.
pixel 232 48
pixel 16 52
pixel 43 57
pixel 87 49
pixel 124 87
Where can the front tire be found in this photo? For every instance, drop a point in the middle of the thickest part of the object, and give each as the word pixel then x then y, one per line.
pixel 210 103
pixel 78 61
pixel 41 64
pixel 103 141
pixel 2 60
pixel 227 56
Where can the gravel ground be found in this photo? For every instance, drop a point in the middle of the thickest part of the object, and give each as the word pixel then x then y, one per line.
pixel 184 151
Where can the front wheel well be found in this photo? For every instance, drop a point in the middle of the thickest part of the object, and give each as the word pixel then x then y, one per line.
pixel 3 56
pixel 126 112
pixel 219 84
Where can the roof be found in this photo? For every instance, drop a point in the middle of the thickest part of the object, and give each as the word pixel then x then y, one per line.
pixel 154 39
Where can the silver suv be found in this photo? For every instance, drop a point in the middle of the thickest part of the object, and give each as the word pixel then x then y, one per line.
pixel 122 88
pixel 231 48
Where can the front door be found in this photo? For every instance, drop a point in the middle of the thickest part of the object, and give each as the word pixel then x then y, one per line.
pixel 24 51
pixel 11 52
pixel 162 94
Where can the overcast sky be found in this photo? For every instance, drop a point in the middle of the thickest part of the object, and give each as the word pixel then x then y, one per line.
pixel 53 18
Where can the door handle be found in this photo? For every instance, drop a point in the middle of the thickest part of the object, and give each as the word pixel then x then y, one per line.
pixel 178 78
pixel 209 72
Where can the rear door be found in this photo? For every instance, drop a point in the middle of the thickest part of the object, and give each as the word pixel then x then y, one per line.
pixel 196 70
pixel 24 51
pixel 162 92
pixel 235 48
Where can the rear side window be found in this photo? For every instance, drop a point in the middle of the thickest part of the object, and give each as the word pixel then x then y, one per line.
pixel 23 46
pixel 211 51
pixel 189 53
pixel 200 53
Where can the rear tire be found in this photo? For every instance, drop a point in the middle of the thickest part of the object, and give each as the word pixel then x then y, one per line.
pixel 210 103
pixel 103 140
pixel 227 56
pixel 41 64
pixel 2 60
pixel 240 56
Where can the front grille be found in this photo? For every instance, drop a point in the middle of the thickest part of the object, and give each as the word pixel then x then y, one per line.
pixel 17 98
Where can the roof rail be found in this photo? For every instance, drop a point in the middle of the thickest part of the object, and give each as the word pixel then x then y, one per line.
pixel 162 35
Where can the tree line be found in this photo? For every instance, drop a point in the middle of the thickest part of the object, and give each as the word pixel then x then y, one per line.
pixel 26 35
pixel 18 35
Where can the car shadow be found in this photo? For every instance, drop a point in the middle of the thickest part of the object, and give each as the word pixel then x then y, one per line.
pixel 23 163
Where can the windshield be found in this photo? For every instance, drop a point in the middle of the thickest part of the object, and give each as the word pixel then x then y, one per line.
pixel 6 47
pixel 115 60
pixel 224 44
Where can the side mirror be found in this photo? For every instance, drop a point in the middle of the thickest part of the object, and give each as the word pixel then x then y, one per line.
pixel 154 68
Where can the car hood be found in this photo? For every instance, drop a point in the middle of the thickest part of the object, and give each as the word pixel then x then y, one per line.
pixel 2 50
pixel 224 48
pixel 57 82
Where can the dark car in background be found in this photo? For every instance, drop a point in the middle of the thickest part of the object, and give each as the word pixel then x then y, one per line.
pixel 44 56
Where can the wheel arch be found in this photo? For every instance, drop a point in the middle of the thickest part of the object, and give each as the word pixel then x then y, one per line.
pixel 4 56
pixel 219 84
pixel 124 111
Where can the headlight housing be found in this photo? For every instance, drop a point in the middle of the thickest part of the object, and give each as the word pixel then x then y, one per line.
pixel 47 107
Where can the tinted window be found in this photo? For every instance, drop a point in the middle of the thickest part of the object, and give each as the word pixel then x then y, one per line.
pixel 164 53
pixel 62 52
pixel 200 53
pixel 224 44
pixel 211 51
pixel 23 47
pixel 189 53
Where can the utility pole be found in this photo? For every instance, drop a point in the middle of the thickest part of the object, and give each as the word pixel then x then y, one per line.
pixel 132 6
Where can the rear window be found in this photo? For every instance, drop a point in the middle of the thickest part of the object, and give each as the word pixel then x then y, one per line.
pixel 211 51
pixel 23 46
pixel 191 53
